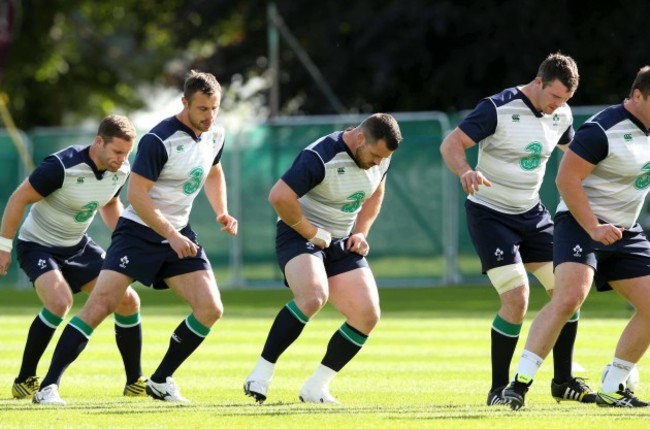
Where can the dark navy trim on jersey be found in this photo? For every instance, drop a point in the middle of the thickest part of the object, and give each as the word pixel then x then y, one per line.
pixel 50 173
pixel 308 169
pixel 48 176
pixel 590 143
pixel 150 158
pixel 481 122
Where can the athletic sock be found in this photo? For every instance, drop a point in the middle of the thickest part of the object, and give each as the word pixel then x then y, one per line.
pixel 38 338
pixel 128 336
pixel 74 339
pixel 286 328
pixel 505 336
pixel 616 375
pixel 343 346
pixel 563 350
pixel 184 340
pixel 528 366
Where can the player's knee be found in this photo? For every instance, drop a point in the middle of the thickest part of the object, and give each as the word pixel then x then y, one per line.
pixel 208 313
pixel 312 303
pixel 130 303
pixel 368 320
pixel 59 305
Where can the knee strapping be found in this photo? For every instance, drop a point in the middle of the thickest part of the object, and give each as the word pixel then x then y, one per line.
pixel 545 276
pixel 508 277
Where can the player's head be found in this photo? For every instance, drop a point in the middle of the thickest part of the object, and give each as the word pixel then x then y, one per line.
pixel 379 136
pixel 641 82
pixel 556 81
pixel 559 67
pixel 201 100
pixel 114 141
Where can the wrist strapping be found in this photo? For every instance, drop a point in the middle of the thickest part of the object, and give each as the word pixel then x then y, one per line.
pixel 6 244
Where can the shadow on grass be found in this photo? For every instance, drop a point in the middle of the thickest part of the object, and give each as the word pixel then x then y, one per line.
pixel 395 413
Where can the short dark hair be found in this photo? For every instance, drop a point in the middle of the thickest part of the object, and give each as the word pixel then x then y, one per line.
pixel 382 126
pixel 560 67
pixel 200 81
pixel 116 126
pixel 642 82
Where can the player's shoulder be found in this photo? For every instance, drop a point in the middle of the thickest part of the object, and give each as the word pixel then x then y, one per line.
pixel 71 156
pixel 609 117
pixel 327 147
pixel 506 96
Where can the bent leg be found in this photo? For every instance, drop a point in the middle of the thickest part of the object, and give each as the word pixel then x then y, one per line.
pixel 106 294
pixel 199 289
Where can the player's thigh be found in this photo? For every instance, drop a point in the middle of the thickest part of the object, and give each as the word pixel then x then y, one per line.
pixel 198 288
pixel 355 294
pixel 636 291
pixel 54 292
pixel 306 277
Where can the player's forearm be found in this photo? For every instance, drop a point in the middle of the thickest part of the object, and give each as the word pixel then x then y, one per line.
pixel 576 200
pixel 369 212
pixel 111 212
pixel 12 217
pixel 215 191
pixel 151 215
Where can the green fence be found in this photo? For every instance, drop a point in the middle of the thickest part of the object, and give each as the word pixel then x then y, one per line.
pixel 420 237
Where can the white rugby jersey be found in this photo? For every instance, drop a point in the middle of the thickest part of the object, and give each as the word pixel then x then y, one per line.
pixel 178 162
pixel 515 142
pixel 618 145
pixel 330 186
pixel 73 191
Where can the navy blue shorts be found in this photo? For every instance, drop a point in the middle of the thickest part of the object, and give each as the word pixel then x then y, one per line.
pixel 78 264
pixel 336 258
pixel 628 258
pixel 139 252
pixel 503 239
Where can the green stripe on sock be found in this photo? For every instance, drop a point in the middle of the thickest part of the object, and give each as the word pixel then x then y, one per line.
pixel 127 321
pixel 575 317
pixel 197 327
pixel 506 328
pixel 81 326
pixel 351 335
pixel 293 308
pixel 49 318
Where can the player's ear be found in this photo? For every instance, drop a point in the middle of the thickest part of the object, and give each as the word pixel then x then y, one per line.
pixel 185 102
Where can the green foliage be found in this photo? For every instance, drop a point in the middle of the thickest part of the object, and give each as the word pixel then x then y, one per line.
pixel 77 59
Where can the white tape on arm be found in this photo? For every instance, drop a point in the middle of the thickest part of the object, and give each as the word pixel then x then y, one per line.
pixel 6 244
pixel 323 236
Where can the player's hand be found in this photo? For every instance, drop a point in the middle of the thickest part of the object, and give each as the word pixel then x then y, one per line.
pixel 230 224
pixel 357 243
pixel 5 261
pixel 183 246
pixel 471 180
pixel 322 238
pixel 607 234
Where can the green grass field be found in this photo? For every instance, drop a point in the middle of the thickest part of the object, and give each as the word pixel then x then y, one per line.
pixel 426 365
